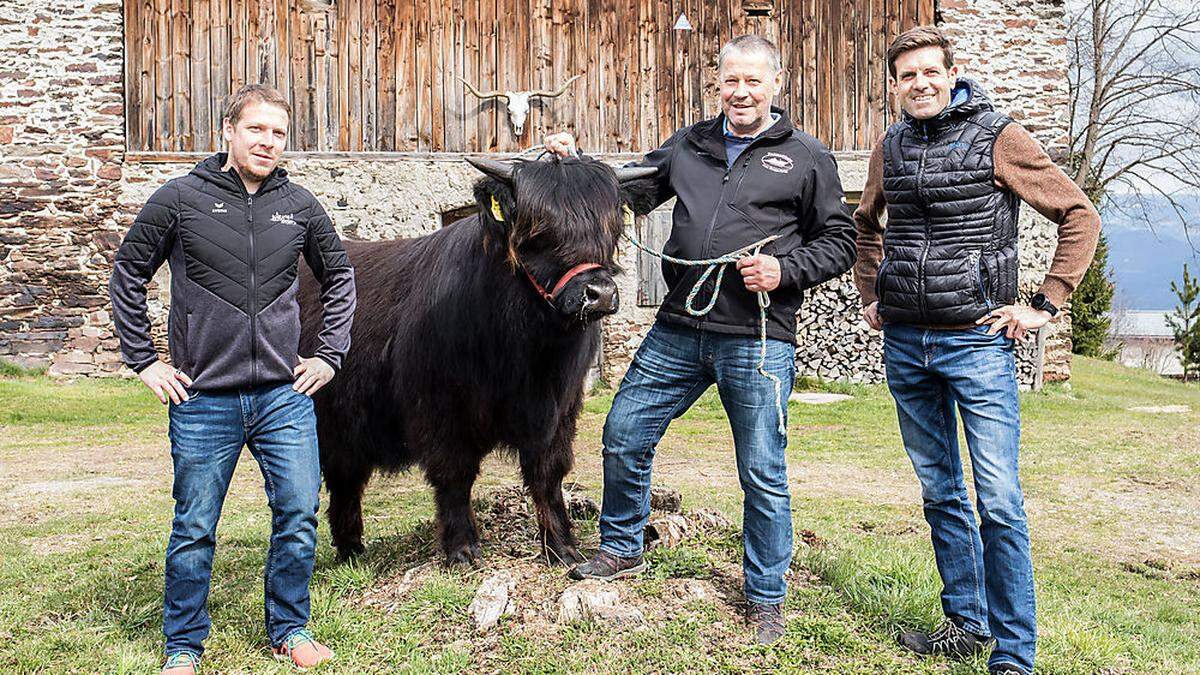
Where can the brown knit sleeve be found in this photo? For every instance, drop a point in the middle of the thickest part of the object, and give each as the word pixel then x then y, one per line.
pixel 1024 167
pixel 870 228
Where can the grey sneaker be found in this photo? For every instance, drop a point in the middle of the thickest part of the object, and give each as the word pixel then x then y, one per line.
pixel 1005 669
pixel 949 639
pixel 606 567
pixel 767 621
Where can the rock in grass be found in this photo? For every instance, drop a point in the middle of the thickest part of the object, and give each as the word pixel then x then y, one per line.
pixel 598 601
pixel 491 601
pixel 667 530
pixel 665 499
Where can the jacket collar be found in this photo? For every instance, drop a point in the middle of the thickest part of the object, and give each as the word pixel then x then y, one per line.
pixel 209 169
pixel 709 135
pixel 966 99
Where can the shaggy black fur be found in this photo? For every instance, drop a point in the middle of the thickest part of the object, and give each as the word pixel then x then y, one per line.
pixel 454 354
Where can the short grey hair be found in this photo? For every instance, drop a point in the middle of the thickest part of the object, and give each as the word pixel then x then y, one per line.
pixel 745 44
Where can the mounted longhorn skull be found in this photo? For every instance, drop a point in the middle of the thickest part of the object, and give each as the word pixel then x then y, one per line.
pixel 518 101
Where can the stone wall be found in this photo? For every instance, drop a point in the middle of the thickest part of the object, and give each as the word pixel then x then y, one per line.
pixel 67 194
pixel 61 147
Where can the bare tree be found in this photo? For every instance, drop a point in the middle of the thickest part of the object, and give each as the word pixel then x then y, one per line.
pixel 1135 98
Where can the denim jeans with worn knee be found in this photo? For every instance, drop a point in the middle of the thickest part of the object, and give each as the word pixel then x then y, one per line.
pixel 207 433
pixel 671 369
pixel 936 376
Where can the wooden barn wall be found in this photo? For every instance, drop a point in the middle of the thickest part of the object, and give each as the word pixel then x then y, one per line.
pixel 383 75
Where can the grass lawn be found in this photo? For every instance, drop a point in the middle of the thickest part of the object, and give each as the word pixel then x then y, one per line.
pixel 85 510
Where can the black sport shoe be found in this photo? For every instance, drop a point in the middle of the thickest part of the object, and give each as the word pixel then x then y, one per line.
pixel 606 567
pixel 767 621
pixel 1005 669
pixel 949 639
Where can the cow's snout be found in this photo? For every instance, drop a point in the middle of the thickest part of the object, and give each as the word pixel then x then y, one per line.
pixel 600 297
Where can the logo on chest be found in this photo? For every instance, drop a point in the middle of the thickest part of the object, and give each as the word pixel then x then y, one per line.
pixel 219 207
pixel 283 218
pixel 773 161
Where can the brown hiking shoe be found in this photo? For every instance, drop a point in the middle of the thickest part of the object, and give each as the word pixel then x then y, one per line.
pixel 767 621
pixel 303 650
pixel 606 567
pixel 181 663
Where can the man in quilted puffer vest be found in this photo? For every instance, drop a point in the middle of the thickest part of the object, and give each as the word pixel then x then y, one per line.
pixel 941 282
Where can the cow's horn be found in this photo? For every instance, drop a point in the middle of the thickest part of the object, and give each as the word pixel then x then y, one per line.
pixel 498 170
pixel 628 173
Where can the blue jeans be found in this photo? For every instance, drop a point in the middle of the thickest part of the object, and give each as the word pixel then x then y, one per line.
pixel 986 570
pixel 671 369
pixel 207 434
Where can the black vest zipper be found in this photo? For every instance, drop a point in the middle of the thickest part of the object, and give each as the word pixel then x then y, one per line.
pixel 921 304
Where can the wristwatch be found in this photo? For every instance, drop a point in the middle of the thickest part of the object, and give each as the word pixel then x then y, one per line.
pixel 1039 301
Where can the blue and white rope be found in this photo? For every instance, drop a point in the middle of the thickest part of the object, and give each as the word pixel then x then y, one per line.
pixel 719 264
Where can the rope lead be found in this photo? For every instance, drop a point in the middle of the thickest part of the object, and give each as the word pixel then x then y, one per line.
pixel 719 264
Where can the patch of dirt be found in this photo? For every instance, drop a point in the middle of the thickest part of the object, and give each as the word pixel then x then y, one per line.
pixel 59 487
pixel 1142 520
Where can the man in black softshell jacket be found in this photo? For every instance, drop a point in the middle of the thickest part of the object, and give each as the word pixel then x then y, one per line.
pixel 742 177
pixel 233 231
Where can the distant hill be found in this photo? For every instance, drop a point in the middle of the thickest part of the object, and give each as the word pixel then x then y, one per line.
pixel 1147 250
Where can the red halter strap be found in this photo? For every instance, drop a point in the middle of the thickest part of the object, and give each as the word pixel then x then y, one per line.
pixel 551 296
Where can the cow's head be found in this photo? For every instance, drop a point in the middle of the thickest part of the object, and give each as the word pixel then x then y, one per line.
pixel 558 222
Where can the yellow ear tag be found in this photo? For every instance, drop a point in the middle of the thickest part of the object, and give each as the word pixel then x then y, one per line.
pixel 496 212
pixel 628 215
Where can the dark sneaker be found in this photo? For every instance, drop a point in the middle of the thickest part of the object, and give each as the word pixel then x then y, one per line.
pixel 950 639
pixel 1005 669
pixel 606 567
pixel 767 621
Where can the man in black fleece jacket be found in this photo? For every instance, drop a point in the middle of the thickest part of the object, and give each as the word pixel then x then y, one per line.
pixel 233 231
pixel 739 178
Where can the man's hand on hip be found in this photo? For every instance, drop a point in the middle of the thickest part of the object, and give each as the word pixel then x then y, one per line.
pixel 871 316
pixel 561 144
pixel 311 374
pixel 759 272
pixel 1015 320
pixel 166 382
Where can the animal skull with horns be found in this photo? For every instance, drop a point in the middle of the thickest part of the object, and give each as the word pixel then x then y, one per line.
pixel 518 101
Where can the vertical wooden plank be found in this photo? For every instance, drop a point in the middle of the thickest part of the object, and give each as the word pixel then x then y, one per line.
pixel 424 74
pixel 811 64
pixel 133 72
pixel 925 12
pixel 282 38
pixel 369 85
pixel 238 42
pixel 299 46
pixel 645 82
pixel 469 60
pixel 218 51
pixel 353 113
pixel 437 69
pixel 323 86
pixel 161 58
pixel 485 114
pixel 452 86
pixel 541 74
pixel 710 46
pixel 264 44
pixel 200 90
pixel 664 71
pixel 341 71
pixel 385 132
